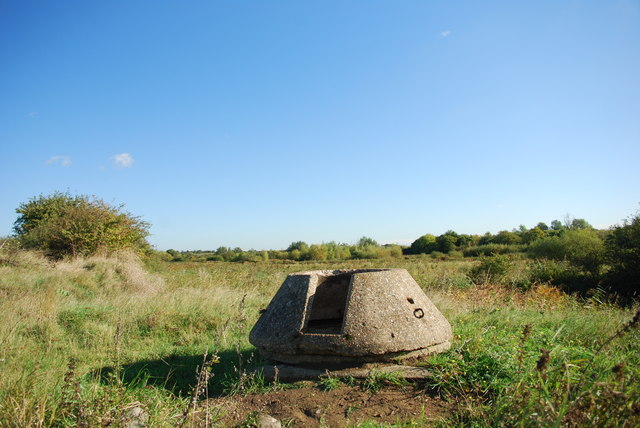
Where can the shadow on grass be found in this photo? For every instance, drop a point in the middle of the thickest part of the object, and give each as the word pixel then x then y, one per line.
pixel 177 373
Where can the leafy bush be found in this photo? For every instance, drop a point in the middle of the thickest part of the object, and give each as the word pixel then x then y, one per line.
pixel 393 250
pixel 368 252
pixel 623 255
pixel 561 274
pixel 64 225
pixel 582 248
pixel 491 269
pixel 489 249
pixel 438 255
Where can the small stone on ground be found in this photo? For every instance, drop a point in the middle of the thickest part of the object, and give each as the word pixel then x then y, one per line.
pixel 266 421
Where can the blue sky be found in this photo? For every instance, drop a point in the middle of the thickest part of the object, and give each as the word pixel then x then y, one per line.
pixel 259 123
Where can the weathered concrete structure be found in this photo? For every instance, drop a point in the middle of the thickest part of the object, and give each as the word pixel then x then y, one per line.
pixel 350 317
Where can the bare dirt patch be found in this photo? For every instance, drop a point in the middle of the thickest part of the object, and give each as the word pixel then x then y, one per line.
pixel 310 406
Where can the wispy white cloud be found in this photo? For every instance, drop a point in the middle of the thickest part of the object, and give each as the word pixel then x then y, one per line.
pixel 32 114
pixel 445 33
pixel 123 160
pixel 62 160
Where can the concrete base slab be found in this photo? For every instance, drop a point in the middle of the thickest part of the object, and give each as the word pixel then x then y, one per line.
pixel 287 373
pixel 326 360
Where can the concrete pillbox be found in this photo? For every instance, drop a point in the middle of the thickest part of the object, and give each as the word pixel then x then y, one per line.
pixel 350 317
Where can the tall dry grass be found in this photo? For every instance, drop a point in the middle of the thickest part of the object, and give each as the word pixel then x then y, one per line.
pixel 51 312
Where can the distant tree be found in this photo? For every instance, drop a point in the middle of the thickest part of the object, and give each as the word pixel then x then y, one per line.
pixel 62 225
pixel 505 237
pixel 542 226
pixel 366 242
pixel 485 239
pixel 556 225
pixel 173 253
pixel 464 240
pixel 298 245
pixel 423 245
pixel 447 241
pixel 533 235
pixel 318 252
pixel 343 252
pixel 296 254
pixel 580 223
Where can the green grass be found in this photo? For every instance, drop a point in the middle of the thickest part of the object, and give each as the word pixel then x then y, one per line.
pixel 138 334
pixel 376 381
pixel 329 383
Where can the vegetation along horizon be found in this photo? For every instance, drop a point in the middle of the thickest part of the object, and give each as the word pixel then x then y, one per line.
pixel 99 329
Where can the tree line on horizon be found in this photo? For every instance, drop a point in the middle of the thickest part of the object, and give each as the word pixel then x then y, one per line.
pixel 447 245
pixel 62 225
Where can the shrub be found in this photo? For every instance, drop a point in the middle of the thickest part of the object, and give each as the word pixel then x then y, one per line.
pixel 278 255
pixel 64 225
pixel 368 252
pixel 582 248
pixel 623 255
pixel 393 250
pixel 437 255
pixel 491 269
pixel 561 274
pixel 489 249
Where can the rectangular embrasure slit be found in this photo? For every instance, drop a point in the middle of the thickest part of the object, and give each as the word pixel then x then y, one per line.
pixel 328 304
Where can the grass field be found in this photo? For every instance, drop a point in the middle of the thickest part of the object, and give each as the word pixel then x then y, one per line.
pixel 84 342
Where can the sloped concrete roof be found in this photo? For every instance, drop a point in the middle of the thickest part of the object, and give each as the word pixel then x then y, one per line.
pixel 344 316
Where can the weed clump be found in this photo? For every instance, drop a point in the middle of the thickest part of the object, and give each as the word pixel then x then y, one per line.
pixel 200 389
